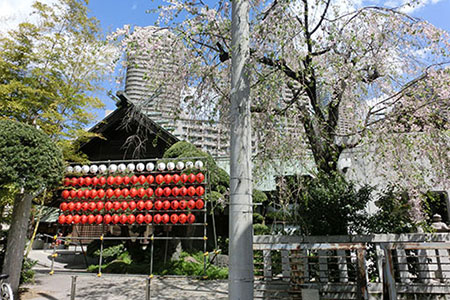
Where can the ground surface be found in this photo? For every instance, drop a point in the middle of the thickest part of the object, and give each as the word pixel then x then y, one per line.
pixel 115 287
pixel 108 286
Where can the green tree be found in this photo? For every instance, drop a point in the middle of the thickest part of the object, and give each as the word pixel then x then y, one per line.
pixel 51 70
pixel 326 204
pixel 30 162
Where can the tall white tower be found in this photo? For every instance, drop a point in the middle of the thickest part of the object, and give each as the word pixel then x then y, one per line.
pixel 154 80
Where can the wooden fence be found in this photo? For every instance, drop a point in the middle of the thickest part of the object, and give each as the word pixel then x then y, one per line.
pixel 407 266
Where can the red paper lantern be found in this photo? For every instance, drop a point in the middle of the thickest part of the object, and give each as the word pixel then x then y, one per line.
pixel 191 204
pixel 102 181
pixel 131 219
pixel 200 177
pixel 183 191
pixel 142 179
pixel 132 205
pixel 182 218
pixel 85 206
pixel 199 204
pixel 140 205
pixel 93 194
pixel 133 192
pixel 88 181
pixel 110 180
pixel 148 218
pixel 124 205
pixel 81 181
pixel 148 205
pixel 107 219
pixel 167 191
pixel 109 193
pixel 117 192
pixel 200 190
pixel 69 219
pixel 134 179
pixel 125 192
pixel 159 179
pixel 76 219
pixel 168 178
pixel 175 204
pixel 123 219
pixel 140 218
pixel 149 192
pixel 74 181
pixel 98 219
pixel 183 204
pixel 175 191
pixel 158 204
pixel 108 205
pixel 183 178
pixel 95 181
pixel 157 218
pixel 150 179
pixel 63 206
pixel 100 205
pixel 78 206
pixel 165 218
pixel 62 219
pixel 92 206
pixel 118 180
pixel 174 218
pixel 116 205
pixel 71 206
pixel 67 181
pixel 176 178
pixel 126 180
pixel 191 191
pixel 87 194
pixel 115 219
pixel 141 192
pixel 83 219
pixel 166 205
pixel 159 192
pixel 91 219
pixel 101 193
pixel 190 218
pixel 191 178
pixel 73 193
pixel 80 194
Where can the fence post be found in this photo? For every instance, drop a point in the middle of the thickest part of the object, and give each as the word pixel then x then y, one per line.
pixel 147 288
pixel 389 288
pixel 285 265
pixel 267 265
pixel 361 278
pixel 73 288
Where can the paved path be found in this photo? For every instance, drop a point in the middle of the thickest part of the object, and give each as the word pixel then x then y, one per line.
pixel 122 287
pixel 110 286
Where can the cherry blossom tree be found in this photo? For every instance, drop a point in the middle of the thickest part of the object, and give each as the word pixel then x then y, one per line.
pixel 326 77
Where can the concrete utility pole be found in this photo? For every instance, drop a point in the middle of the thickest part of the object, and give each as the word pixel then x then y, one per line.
pixel 241 210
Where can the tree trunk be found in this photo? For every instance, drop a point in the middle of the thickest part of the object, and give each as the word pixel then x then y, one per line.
pixel 241 210
pixel 15 246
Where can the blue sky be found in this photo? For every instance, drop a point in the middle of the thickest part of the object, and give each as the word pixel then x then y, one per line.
pixel 114 14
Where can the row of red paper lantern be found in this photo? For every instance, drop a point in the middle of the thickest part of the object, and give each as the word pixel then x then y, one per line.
pixel 140 205
pixel 133 192
pixel 119 180
pixel 126 219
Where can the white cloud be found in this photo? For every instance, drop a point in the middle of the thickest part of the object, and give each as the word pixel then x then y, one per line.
pixel 134 6
pixel 14 12
pixel 407 6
